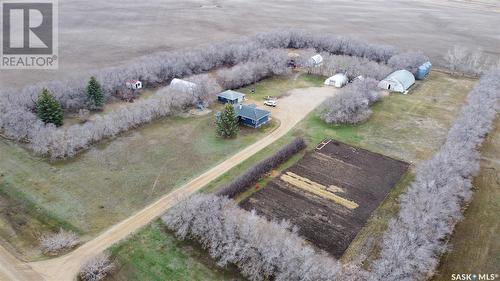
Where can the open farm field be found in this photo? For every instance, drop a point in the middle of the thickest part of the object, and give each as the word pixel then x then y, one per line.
pixel 157 25
pixel 329 194
pixel 108 182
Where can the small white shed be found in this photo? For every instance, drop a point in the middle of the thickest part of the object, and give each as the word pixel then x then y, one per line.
pixel 316 60
pixel 398 81
pixel 338 80
pixel 133 84
pixel 182 85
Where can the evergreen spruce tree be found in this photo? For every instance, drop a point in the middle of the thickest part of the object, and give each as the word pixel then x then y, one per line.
pixel 48 109
pixel 94 93
pixel 227 123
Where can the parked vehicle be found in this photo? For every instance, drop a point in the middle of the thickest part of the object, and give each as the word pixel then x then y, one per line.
pixel 271 102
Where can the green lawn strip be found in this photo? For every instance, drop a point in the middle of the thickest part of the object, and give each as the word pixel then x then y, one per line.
pixel 153 253
pixel 16 197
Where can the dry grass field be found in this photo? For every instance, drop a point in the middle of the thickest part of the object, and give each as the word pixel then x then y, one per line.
pixel 109 182
pixel 329 194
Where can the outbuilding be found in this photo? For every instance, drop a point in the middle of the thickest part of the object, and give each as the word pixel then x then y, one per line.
pixel 182 85
pixel 250 115
pixel 133 84
pixel 423 70
pixel 316 60
pixel 398 81
pixel 338 80
pixel 231 97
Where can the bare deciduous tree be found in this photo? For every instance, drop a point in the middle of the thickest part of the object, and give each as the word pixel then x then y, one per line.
pixel 97 268
pixel 55 243
pixel 408 60
pixel 352 104
pixel 351 66
pixel 253 174
pixel 261 249
pixel 459 59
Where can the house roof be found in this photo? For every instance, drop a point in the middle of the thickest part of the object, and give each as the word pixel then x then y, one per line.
pixel 231 95
pixel 403 76
pixel 250 111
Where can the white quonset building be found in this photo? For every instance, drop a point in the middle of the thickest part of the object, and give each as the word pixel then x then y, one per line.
pixel 338 80
pixel 398 81
pixel 182 85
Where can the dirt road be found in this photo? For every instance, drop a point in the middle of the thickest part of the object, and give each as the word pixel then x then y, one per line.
pixel 13 269
pixel 290 111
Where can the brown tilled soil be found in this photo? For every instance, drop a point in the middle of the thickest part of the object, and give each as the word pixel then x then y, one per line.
pixel 363 177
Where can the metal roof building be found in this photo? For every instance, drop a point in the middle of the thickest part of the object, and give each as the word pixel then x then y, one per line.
pixel 182 85
pixel 251 116
pixel 338 80
pixel 398 81
pixel 231 97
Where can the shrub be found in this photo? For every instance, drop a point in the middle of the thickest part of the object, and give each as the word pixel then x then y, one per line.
pixel 352 104
pixel 273 63
pixel 409 61
pixel 97 268
pixel 55 243
pixel 253 174
pixel 227 122
pixel 261 249
pixel 48 109
pixel 459 59
pixel 351 66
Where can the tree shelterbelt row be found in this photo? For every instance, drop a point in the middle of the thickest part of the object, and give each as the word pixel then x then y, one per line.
pixel 238 63
pixel 413 243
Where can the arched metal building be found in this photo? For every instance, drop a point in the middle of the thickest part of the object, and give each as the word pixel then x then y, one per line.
pixel 398 81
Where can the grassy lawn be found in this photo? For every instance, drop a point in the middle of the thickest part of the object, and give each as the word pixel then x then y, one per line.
pixel 109 182
pixel 475 244
pixel 155 254
pixel 408 127
pixel 278 86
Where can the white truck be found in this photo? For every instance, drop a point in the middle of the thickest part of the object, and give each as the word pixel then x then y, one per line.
pixel 270 101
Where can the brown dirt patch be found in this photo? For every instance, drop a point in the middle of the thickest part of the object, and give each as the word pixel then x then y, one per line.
pixel 330 193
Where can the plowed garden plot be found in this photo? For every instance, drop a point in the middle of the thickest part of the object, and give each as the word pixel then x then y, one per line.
pixel 329 194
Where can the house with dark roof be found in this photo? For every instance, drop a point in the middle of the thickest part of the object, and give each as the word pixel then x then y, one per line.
pixel 231 97
pixel 251 116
